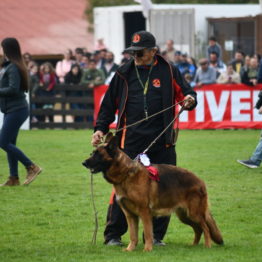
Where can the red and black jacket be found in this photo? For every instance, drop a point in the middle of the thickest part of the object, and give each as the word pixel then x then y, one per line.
pixel 175 88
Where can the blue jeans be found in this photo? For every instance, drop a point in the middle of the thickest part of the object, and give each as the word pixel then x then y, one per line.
pixel 8 135
pixel 257 155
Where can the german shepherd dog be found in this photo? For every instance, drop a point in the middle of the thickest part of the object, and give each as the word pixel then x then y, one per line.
pixel 178 190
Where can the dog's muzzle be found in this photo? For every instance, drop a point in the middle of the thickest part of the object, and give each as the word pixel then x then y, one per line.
pixel 92 169
pixel 85 163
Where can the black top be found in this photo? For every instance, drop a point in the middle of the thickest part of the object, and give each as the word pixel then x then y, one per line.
pixel 12 96
pixel 173 87
pixel 141 135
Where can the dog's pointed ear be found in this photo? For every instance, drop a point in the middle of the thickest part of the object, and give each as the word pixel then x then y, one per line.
pixel 112 146
pixel 109 136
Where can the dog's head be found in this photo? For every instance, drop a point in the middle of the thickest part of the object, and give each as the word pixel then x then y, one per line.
pixel 102 158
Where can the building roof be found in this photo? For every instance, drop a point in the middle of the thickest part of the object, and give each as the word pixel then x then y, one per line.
pixel 46 26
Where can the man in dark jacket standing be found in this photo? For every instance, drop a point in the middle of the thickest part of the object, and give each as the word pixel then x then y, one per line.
pixel 142 87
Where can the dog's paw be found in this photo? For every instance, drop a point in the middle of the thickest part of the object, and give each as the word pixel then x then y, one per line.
pixel 148 249
pixel 128 249
pixel 131 246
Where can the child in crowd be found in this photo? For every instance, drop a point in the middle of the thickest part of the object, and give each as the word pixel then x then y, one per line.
pixel 47 81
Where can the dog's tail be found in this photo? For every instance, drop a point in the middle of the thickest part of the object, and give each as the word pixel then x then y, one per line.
pixel 214 231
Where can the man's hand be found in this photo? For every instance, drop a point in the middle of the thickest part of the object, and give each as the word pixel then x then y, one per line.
pixel 260 110
pixel 97 137
pixel 190 101
pixel 253 81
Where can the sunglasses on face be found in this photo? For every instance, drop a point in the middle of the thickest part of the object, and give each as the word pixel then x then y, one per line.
pixel 138 53
pixel 205 63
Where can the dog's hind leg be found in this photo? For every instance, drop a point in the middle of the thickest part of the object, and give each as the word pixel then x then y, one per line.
pixel 182 215
pixel 146 218
pixel 198 232
pixel 197 207
pixel 132 221
pixel 206 231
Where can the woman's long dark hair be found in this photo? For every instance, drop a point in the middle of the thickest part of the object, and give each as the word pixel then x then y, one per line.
pixel 12 51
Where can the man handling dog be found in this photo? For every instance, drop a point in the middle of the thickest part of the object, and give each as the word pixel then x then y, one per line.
pixel 144 86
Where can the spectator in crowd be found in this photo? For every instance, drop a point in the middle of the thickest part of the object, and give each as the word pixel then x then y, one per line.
pixel 255 160
pixel 84 50
pixel 170 51
pixel 158 50
pixel 73 77
pixel 125 57
pixel 257 56
pixel 185 67
pixel 213 46
pixel 34 78
pixel 85 60
pixel 164 55
pixel 190 80
pixel 30 65
pixel 238 61
pixel 205 74
pixel 250 76
pixel 27 58
pixel 63 66
pixel 216 63
pixel 230 76
pixel 96 56
pixel 109 68
pixel 260 72
pixel 34 85
pixel 192 62
pixel 92 76
pixel 246 65
pixel 13 104
pixel 100 58
pixel 47 81
pixel 99 45
pixel 79 53
pixel 177 58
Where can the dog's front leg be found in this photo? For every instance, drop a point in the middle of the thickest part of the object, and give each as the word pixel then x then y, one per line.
pixel 146 218
pixel 132 221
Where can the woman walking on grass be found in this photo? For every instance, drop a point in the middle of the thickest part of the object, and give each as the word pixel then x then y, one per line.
pixel 13 104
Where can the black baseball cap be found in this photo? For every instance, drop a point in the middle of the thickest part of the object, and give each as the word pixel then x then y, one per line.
pixel 141 40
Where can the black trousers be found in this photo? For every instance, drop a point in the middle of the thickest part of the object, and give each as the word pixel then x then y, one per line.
pixel 116 222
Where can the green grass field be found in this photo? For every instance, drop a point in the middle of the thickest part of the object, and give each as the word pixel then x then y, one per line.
pixel 53 220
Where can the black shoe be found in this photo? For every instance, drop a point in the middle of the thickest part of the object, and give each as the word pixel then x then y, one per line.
pixel 114 242
pixel 248 163
pixel 158 243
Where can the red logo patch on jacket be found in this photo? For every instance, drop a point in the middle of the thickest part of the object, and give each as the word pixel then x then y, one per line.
pixel 156 82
